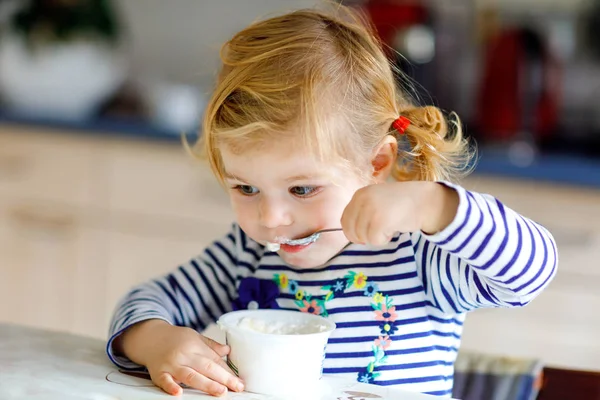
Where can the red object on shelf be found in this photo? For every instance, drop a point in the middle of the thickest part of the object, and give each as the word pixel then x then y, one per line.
pixel 502 102
pixel 388 16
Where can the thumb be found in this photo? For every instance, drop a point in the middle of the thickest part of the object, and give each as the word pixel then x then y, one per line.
pixel 221 349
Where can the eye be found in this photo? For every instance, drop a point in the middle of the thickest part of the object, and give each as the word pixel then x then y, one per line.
pixel 246 190
pixel 304 191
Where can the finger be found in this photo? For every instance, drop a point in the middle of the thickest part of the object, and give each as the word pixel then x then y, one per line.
pixel 377 235
pixel 362 221
pixel 194 379
pixel 349 220
pixel 220 349
pixel 165 381
pixel 218 372
pixel 219 361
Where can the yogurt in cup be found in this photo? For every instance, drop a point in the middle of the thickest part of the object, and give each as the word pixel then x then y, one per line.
pixel 277 352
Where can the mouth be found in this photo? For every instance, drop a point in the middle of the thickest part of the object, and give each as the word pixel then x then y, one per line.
pixel 292 245
pixel 294 248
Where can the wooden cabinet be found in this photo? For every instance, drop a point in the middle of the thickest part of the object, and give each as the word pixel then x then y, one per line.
pixel 83 218
pixel 159 179
pixel 44 165
pixel 51 273
pixel 560 325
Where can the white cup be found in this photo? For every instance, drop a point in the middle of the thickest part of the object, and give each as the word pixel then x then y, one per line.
pixel 277 364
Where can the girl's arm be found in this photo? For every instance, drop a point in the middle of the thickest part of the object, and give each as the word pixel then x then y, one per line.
pixel 485 255
pixel 194 295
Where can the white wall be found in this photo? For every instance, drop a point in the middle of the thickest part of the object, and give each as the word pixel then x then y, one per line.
pixel 180 39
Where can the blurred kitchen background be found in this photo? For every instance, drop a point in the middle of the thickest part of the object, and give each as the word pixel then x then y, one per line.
pixel 97 193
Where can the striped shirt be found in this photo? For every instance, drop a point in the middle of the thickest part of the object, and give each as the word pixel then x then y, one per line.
pixel 399 308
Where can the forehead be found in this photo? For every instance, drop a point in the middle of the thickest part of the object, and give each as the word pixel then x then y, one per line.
pixel 277 161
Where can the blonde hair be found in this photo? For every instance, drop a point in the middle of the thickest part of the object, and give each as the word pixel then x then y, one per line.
pixel 322 77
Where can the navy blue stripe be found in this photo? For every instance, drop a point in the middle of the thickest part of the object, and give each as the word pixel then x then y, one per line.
pixel 128 317
pixel 424 275
pixel 502 245
pixel 215 261
pixel 244 243
pixel 486 295
pixel 247 265
pixel 446 321
pixel 399 292
pixel 471 234
pixel 471 306
pixel 357 324
pixel 444 291
pixel 415 365
pixel 487 237
pixel 231 237
pixel 340 310
pixel 516 254
pixel 206 309
pixel 208 285
pixel 406 243
pixel 425 364
pixel 434 262
pixel 462 225
pixel 385 278
pixel 440 392
pixel 396 352
pixel 174 283
pixel 394 338
pixel 175 303
pixel 541 267
pixel 120 321
pixel 137 304
pixel 226 288
pixel 337 267
pixel 404 381
pixel 143 299
pixel 531 255
pixel 552 271
pixel 225 250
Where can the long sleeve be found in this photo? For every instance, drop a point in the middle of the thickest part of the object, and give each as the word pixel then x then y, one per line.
pixel 194 295
pixel 489 256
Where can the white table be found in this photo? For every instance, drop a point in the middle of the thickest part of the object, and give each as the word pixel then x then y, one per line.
pixel 37 364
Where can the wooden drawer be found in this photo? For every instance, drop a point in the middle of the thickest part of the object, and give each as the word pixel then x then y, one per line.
pixel 160 179
pixel 51 166
pixel 139 252
pixel 52 267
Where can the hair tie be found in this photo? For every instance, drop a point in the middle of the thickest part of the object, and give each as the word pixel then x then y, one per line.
pixel 400 124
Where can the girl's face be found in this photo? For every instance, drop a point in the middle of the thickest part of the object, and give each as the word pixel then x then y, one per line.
pixel 277 193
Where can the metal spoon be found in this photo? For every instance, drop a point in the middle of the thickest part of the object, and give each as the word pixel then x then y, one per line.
pixel 309 239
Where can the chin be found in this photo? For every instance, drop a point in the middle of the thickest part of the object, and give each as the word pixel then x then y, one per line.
pixel 306 260
pixel 303 263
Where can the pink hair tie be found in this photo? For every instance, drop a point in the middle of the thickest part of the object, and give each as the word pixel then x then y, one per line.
pixel 400 124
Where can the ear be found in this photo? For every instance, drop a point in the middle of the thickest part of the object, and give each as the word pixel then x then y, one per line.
pixel 384 157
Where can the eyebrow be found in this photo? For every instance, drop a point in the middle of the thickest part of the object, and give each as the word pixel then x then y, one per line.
pixel 301 177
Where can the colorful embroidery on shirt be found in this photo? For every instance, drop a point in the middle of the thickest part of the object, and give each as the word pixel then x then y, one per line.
pixel 382 305
pixel 386 313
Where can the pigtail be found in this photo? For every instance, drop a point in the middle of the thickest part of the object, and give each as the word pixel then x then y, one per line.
pixel 431 148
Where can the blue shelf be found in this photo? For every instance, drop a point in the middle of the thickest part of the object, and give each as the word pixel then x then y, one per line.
pixel 547 167
pixel 564 169
pixel 115 127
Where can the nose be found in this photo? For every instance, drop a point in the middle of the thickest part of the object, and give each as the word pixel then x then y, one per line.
pixel 274 213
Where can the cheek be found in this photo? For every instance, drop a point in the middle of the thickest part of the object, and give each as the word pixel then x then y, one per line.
pixel 244 211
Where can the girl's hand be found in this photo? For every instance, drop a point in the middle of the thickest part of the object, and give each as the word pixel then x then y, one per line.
pixel 175 355
pixel 377 212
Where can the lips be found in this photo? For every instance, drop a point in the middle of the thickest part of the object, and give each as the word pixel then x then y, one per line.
pixel 288 248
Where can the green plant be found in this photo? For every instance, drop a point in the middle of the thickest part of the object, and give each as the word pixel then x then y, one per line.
pixel 65 20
